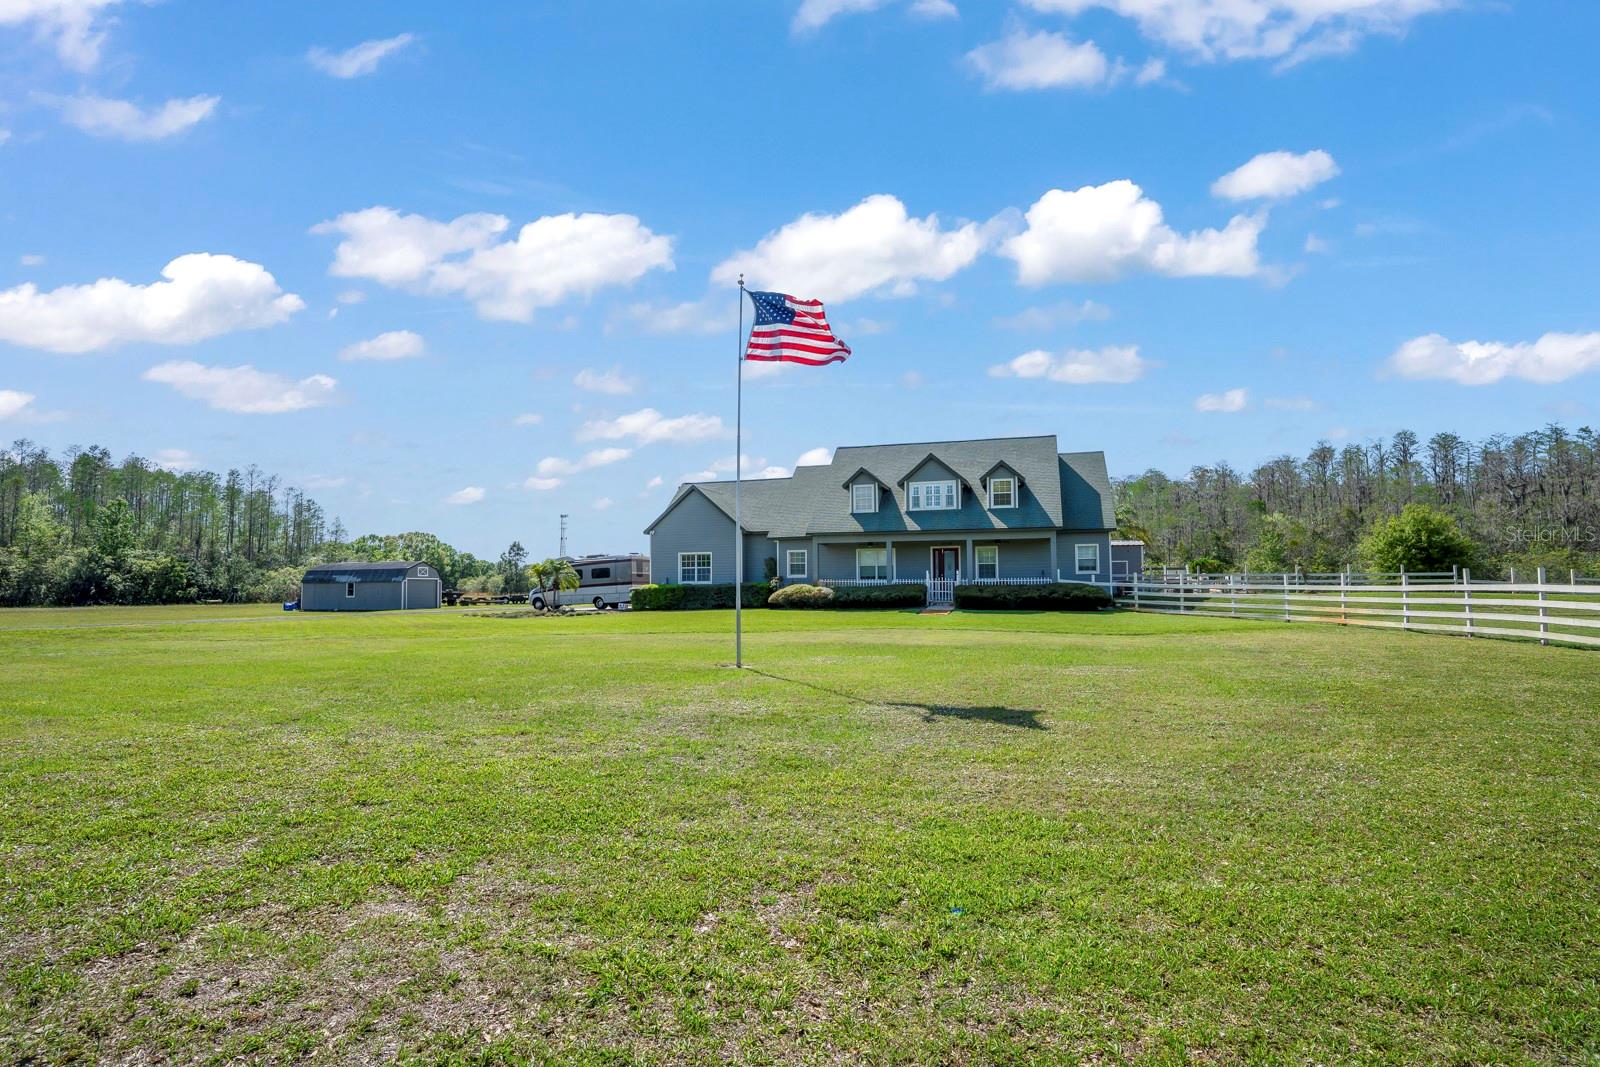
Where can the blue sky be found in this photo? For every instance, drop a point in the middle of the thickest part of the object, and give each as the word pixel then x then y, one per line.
pixel 1047 216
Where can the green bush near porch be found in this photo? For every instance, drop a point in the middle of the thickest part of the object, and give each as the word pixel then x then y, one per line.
pixel 899 595
pixel 1056 596
pixel 696 597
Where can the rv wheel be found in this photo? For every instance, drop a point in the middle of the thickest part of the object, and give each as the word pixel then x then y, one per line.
pixel 537 603
pixel 599 603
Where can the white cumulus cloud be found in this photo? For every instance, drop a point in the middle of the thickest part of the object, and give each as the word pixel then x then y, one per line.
pixel 243 389
pixel 1273 175
pixel 1230 401
pixel 539 485
pixel 391 345
pixel 1284 30
pixel 13 402
pixel 1554 357
pixel 548 261
pixel 871 246
pixel 1113 364
pixel 648 426
pixel 176 460
pixel 360 60
pixel 468 495
pixel 528 418
pixel 611 382
pixel 74 28
pixel 1041 60
pixel 127 121
pixel 815 457
pixel 1103 232
pixel 203 296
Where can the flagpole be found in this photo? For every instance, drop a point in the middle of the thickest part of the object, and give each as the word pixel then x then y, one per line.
pixel 738 479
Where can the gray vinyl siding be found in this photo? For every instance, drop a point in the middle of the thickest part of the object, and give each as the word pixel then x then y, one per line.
pixel 1020 559
pixel 1132 555
pixel 693 525
pixel 932 470
pixel 1067 555
pixel 758 548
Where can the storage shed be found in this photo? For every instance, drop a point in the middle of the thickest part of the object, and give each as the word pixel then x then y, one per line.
pixel 370 587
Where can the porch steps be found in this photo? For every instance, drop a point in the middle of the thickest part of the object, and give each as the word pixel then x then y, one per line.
pixel 937 609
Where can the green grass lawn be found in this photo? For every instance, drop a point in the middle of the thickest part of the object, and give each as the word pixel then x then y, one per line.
pixel 1005 838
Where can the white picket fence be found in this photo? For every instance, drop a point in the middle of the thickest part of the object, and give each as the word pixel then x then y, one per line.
pixel 1566 612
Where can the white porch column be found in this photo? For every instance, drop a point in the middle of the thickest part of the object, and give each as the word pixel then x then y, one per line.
pixel 888 550
pixel 1055 568
pixel 968 570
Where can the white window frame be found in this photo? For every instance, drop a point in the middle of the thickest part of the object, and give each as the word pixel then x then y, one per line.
pixel 349 590
pixel 1011 490
pixel 978 564
pixel 884 566
pixel 949 494
pixel 788 563
pixel 856 500
pixel 422 572
pixel 708 569
pixel 1077 558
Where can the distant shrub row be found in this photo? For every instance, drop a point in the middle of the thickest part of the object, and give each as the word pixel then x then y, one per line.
pixel 900 595
pixel 1057 596
pixel 697 597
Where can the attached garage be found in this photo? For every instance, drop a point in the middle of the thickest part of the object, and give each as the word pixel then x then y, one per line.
pixel 370 587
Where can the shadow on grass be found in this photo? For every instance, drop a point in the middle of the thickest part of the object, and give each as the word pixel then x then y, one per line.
pixel 1018 717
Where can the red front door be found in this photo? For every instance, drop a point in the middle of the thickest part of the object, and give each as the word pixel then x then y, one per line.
pixel 946 562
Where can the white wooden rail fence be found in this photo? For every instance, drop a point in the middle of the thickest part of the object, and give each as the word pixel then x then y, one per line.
pixel 1566 612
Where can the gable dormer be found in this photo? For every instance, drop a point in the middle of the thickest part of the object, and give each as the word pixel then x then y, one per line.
pixel 1002 487
pixel 866 491
pixel 933 485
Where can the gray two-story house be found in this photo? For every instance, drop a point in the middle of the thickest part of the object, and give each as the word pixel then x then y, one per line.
pixel 1001 508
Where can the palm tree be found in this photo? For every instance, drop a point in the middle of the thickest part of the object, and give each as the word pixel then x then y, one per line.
pixel 550 576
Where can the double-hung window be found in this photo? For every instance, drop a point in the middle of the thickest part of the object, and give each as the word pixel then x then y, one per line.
pixel 988 560
pixel 796 567
pixel 1002 493
pixel 932 496
pixel 864 497
pixel 1088 558
pixel 694 568
pixel 872 564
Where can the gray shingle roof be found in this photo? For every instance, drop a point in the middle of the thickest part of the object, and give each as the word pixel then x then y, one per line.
pixel 359 572
pixel 1062 490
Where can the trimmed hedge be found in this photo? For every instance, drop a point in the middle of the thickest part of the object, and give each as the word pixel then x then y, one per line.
pixel 801 596
pixel 696 597
pixel 1057 596
pixel 900 595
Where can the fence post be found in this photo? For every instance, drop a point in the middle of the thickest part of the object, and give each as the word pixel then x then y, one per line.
pixel 1286 617
pixel 1344 586
pixel 1405 601
pixel 1137 579
pixel 1466 595
pixel 1544 627
pixel 1183 583
pixel 1233 596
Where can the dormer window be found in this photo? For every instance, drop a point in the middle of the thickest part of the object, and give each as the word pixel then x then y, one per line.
pixel 1002 493
pixel 864 497
pixel 932 496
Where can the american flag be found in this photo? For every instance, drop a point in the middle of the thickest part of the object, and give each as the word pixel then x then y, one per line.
pixel 791 330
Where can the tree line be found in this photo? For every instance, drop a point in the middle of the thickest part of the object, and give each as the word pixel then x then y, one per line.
pixel 1523 501
pixel 83 528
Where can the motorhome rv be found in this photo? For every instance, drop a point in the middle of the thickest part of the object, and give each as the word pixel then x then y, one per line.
pixel 604 581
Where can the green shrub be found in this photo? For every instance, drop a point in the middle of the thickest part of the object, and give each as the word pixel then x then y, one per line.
pixel 801 596
pixel 1420 538
pixel 696 597
pixel 1057 596
pixel 900 595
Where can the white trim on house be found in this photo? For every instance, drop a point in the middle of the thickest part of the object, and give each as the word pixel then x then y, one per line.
pixel 934 550
pixel 349 590
pixel 422 572
pixel 696 567
pixel 882 567
pixel 1077 557
pixel 788 560
pixel 978 563
pixel 945 491
pixel 1011 493
pixel 860 505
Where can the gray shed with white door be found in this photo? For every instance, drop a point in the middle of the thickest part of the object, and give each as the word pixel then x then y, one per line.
pixel 395 586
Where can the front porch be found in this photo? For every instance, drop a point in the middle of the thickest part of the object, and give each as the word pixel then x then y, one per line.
pixel 940 558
